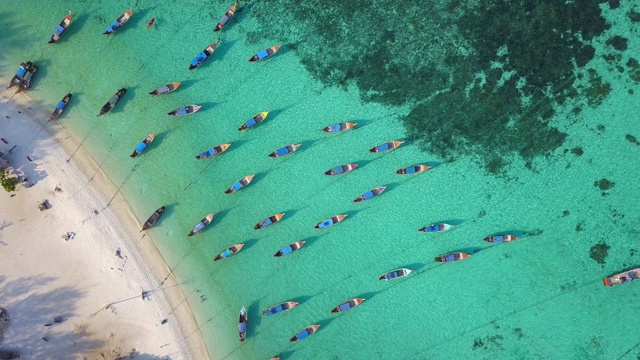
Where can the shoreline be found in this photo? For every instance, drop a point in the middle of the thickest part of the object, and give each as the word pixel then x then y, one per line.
pixel 145 250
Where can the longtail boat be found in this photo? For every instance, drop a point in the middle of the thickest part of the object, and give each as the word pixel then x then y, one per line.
pixel 304 333
pixel 121 20
pixel 386 146
pixel 255 120
pixel 22 71
pixel 113 101
pixel 165 89
pixel 500 238
pixel 436 228
pixel 282 307
pixel 153 219
pixel 452 257
pixel 229 252
pixel 415 169
pixel 330 221
pixel 370 194
pixel 143 144
pixel 27 78
pixel 242 324
pixel 289 249
pixel 57 33
pixel 201 225
pixel 150 23
pixel 226 17
pixel 339 127
pixel 266 53
pixel 268 221
pixel 395 274
pixel 185 110
pixel 214 151
pixel 286 150
pixel 204 55
pixel 342 169
pixel 60 107
pixel 239 184
pixel 623 277
pixel 349 304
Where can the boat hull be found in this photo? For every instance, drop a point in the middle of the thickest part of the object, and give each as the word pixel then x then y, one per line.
pixel 60 29
pixel 623 277
pixel 201 225
pixel 242 324
pixel 280 308
pixel 370 194
pixel 153 219
pixel 289 249
pixel 120 21
pixel 265 54
pixel 286 150
pixel 226 17
pixel 451 257
pixel 330 221
pixel 388 146
pixel 340 170
pixel 214 151
pixel 113 101
pixel 395 274
pixel 61 106
pixel 415 169
pixel 165 89
pixel 304 333
pixel 255 120
pixel 240 184
pixel 436 228
pixel 273 219
pixel 229 252
pixel 143 145
pixel 348 305
pixel 204 55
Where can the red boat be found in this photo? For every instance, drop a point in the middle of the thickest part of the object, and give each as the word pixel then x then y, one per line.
pixel 622 277
pixel 151 22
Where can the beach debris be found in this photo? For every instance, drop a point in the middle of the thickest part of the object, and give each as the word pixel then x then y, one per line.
pixel 44 205
pixel 57 188
pixel 56 320
pixel 29 158
pixel 164 321
pixel 119 253
pixel 69 236
pixel 45 339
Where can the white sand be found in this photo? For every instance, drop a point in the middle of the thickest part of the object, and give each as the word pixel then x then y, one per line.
pixel 42 276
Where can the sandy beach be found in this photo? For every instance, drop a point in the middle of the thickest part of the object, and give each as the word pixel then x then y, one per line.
pixel 79 297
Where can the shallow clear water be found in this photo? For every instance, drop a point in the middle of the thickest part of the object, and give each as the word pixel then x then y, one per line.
pixel 539 297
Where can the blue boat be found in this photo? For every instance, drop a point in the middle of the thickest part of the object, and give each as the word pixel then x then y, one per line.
pixel 287 305
pixel 500 238
pixel 242 324
pixel 143 145
pixel 339 127
pixel 60 107
pixel 22 70
pixel 342 169
pixel 330 221
pixel 214 151
pixel 452 257
pixel 239 184
pixel 436 228
pixel 229 252
pixel 255 120
pixel 395 274
pixel 386 146
pixel 121 20
pixel 266 53
pixel 57 33
pixel 185 110
pixel 204 55
pixel 268 221
pixel 285 150
pixel 370 194
pixel 415 169
pixel 349 304
pixel 304 333
pixel 289 249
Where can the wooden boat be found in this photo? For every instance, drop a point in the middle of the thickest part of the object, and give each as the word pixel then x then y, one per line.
pixel 239 184
pixel 500 238
pixel 165 89
pixel 342 169
pixel 268 221
pixel 415 169
pixel 370 194
pixel 226 17
pixel 204 55
pixel 282 307
pixel 264 54
pixel 201 225
pixel 27 78
pixel 339 127
pixel 22 71
pixel 60 107
pixel 255 120
pixel 436 228
pixel 242 324
pixel 285 150
pixel 150 23
pixel 153 219
pixel 395 274
pixel 214 151
pixel 386 146
pixel 57 33
pixel 143 144
pixel 330 221
pixel 289 249
pixel 113 101
pixel 451 257
pixel 184 110
pixel 304 333
pixel 121 20
pixel 349 304
pixel 229 252
pixel 622 277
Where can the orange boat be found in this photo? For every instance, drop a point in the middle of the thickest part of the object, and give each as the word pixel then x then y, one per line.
pixel 330 221
pixel 415 169
pixel 268 221
pixel 622 277
pixel 339 127
pixel 226 17
pixel 229 252
pixel 452 257
pixel 239 184
pixel 386 146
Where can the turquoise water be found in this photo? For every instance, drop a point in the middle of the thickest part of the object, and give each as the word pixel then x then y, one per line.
pixel 572 199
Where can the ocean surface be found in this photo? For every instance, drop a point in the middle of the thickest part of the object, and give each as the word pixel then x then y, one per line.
pixel 526 112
